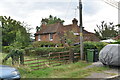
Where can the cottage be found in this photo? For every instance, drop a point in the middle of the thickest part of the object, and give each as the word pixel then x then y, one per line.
pixel 55 33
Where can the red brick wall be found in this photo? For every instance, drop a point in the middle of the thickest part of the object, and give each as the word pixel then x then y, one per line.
pixel 45 37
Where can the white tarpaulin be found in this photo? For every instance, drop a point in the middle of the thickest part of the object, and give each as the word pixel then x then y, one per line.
pixel 110 55
pixel 108 40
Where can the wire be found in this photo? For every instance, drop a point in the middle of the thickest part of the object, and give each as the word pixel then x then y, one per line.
pixel 112 3
pixel 68 8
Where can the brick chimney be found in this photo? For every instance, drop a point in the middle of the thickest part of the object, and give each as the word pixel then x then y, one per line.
pixel 43 25
pixel 75 21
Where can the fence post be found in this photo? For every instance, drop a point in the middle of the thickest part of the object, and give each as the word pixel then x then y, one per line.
pixel 22 58
pixel 71 55
pixel 49 58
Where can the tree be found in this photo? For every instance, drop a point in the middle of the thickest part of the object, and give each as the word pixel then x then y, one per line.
pixel 118 25
pixel 13 31
pixel 106 31
pixel 51 20
pixel 70 38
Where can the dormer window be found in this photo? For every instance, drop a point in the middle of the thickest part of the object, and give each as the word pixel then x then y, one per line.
pixel 39 38
pixel 50 37
pixel 76 34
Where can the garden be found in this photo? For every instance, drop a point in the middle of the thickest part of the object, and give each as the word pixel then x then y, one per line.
pixel 66 70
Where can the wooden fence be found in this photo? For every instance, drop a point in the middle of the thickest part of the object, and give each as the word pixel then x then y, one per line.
pixel 53 59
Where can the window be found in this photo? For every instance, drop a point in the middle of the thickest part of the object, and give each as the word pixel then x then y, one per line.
pixel 39 38
pixel 50 37
pixel 77 34
pixel 65 40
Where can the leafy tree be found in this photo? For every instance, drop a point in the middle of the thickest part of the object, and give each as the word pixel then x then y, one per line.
pixel 51 20
pixel 106 31
pixel 14 32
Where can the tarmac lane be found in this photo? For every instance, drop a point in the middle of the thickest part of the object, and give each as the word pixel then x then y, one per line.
pixel 112 74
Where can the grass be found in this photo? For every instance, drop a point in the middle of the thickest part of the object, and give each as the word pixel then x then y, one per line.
pixel 73 70
pixel 63 71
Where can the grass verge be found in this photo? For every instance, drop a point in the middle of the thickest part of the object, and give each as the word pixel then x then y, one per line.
pixel 73 70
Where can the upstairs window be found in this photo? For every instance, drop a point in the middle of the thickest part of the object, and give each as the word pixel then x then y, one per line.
pixel 50 37
pixel 65 40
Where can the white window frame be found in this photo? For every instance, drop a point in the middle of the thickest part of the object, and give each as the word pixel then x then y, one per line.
pixel 51 37
pixel 39 39
pixel 76 34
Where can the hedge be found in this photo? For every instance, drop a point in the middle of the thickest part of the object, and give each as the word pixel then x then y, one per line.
pixel 37 44
pixel 43 50
pixel 32 50
pixel 91 45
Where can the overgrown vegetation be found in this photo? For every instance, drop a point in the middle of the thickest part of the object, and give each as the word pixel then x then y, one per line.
pixel 106 31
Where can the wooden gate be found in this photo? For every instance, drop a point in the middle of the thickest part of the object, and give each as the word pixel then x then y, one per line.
pixel 52 59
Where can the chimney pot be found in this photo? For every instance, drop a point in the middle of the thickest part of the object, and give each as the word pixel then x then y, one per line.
pixel 75 21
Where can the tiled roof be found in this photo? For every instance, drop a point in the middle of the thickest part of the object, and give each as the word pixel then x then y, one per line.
pixel 52 28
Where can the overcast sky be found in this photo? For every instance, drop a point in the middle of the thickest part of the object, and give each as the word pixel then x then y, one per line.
pixel 32 11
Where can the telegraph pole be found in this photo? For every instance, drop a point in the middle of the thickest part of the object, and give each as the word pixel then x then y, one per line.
pixel 81 29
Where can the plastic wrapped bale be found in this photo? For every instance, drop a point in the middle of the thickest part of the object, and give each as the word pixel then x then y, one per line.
pixel 110 55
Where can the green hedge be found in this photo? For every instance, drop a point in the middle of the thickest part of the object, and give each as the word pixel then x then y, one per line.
pixel 91 45
pixel 37 44
pixel 43 50
pixel 76 49
pixel 32 50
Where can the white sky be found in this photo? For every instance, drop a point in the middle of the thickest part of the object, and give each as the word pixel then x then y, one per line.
pixel 32 11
